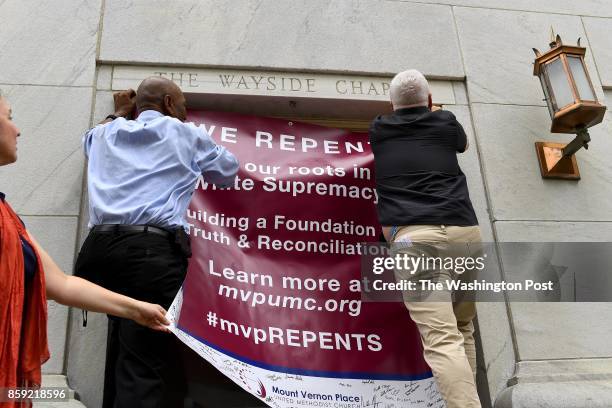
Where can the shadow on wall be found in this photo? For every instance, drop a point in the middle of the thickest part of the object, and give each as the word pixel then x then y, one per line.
pixel 481 374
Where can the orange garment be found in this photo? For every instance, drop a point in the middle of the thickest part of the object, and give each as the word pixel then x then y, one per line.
pixel 23 327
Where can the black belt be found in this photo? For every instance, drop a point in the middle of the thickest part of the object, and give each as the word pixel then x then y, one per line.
pixel 132 228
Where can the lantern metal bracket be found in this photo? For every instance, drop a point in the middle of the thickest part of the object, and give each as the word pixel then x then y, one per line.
pixel 581 140
pixel 558 160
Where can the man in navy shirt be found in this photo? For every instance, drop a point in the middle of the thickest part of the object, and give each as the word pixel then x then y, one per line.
pixel 141 176
pixel 424 207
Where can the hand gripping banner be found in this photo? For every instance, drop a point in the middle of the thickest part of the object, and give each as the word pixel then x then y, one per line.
pixel 272 296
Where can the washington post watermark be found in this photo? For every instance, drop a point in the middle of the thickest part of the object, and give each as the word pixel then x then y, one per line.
pixel 487 272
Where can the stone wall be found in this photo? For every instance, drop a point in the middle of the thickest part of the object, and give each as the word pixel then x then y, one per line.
pixel 56 59
pixel 48 64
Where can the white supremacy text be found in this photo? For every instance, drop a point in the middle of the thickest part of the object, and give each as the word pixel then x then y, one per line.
pixel 297 188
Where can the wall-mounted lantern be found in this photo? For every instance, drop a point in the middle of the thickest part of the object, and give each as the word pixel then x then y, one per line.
pixel 572 104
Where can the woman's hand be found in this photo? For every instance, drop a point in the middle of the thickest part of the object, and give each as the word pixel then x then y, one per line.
pixel 149 315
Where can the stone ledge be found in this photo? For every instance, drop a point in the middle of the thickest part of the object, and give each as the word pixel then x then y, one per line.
pixel 574 370
pixel 56 380
pixel 59 404
pixel 572 383
pixel 576 394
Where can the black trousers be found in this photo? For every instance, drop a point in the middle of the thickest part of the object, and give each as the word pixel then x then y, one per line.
pixel 143 368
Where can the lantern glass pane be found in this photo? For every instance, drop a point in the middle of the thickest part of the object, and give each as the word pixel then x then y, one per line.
pixel 583 85
pixel 559 82
pixel 549 102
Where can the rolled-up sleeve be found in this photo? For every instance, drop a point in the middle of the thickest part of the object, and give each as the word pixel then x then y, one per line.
pixel 217 164
pixel 86 140
pixel 88 137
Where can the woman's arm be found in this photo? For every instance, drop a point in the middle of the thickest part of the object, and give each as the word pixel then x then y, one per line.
pixel 73 291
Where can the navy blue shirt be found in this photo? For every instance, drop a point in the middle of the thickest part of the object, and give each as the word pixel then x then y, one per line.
pixel 29 257
pixel 418 177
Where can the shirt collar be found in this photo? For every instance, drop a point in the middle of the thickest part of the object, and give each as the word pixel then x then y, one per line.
pixel 148 115
pixel 412 111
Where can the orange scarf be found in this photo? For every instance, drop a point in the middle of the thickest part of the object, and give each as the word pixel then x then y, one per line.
pixel 23 327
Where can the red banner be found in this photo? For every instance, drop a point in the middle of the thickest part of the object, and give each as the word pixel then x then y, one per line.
pixel 275 281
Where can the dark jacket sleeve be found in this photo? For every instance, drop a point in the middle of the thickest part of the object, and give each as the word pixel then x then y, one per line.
pixel 461 138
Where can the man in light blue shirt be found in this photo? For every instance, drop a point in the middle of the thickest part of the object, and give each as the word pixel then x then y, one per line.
pixel 141 176
pixel 144 171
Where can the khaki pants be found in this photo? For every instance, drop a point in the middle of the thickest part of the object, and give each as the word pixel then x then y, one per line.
pixel 445 327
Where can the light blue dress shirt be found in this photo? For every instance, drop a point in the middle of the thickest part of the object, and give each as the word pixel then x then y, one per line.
pixel 144 171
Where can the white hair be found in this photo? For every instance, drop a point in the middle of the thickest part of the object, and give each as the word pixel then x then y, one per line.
pixel 409 89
